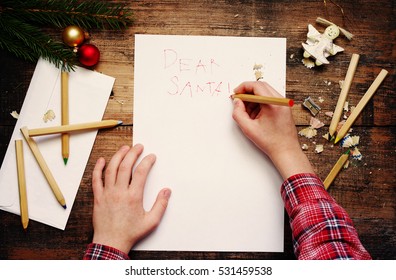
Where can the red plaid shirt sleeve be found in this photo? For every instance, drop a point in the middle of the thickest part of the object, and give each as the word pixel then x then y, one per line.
pixel 96 251
pixel 321 228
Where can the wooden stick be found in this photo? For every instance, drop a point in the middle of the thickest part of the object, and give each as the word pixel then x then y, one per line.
pixel 344 92
pixel 362 103
pixel 44 167
pixel 65 114
pixel 22 183
pixel 335 170
pixel 264 99
pixel 73 127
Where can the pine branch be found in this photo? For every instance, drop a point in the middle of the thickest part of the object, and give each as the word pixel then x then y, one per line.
pixel 20 22
pixel 28 42
pixel 61 13
pixel 17 49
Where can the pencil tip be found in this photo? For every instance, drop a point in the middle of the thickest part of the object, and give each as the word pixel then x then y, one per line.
pixel 291 103
pixel 336 140
pixel 64 206
pixel 65 160
pixel 119 122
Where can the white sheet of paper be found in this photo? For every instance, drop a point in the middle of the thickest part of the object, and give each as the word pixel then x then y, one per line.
pixel 88 95
pixel 225 193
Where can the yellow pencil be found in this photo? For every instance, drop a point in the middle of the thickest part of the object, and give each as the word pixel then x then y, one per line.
pixel 44 167
pixel 22 183
pixel 264 99
pixel 335 170
pixel 73 127
pixel 344 92
pixel 362 103
pixel 65 113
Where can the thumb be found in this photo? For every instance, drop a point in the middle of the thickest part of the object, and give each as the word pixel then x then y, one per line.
pixel 161 203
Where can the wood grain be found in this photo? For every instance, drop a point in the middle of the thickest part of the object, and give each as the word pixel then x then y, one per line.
pixel 366 189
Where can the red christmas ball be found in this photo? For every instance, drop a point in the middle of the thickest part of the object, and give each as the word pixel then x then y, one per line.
pixel 88 55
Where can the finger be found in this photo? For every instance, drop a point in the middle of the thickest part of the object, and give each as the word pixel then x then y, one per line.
pixel 126 165
pixel 140 174
pixel 257 88
pixel 112 168
pixel 97 182
pixel 270 90
pixel 245 87
pixel 240 115
pixel 158 210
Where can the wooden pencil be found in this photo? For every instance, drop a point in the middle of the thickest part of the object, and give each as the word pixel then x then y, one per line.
pixel 22 183
pixel 264 99
pixel 343 95
pixel 335 170
pixel 359 107
pixel 44 167
pixel 65 114
pixel 73 127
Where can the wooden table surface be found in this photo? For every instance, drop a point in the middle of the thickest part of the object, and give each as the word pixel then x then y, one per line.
pixel 366 189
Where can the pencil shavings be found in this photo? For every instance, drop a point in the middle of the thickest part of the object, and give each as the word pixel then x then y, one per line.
pixel 319 149
pixel 257 71
pixel 311 131
pixel 304 147
pixel 308 132
pixel 329 114
pixel 49 116
pixel 327 136
pixel 355 153
pixel 14 114
pixel 350 141
pixel 316 123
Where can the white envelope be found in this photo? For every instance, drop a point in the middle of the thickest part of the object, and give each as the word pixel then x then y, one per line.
pixel 88 95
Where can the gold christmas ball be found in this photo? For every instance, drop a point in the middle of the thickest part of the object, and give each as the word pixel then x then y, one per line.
pixel 73 36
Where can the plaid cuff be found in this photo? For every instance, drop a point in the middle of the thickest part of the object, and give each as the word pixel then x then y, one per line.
pixel 301 188
pixel 96 251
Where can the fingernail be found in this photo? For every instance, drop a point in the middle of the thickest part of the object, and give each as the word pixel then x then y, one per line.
pixel 167 193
